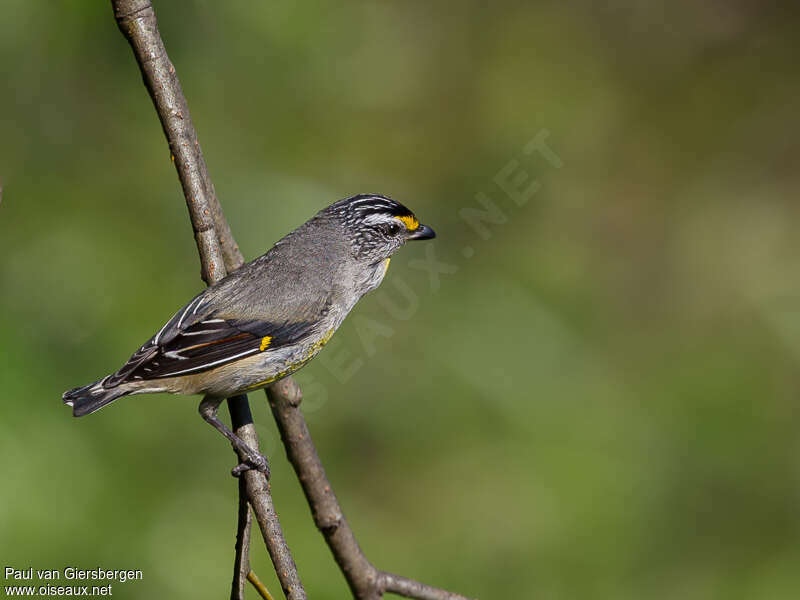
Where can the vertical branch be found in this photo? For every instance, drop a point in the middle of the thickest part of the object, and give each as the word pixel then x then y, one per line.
pixel 137 22
pixel 258 494
pixel 216 247
pixel 241 564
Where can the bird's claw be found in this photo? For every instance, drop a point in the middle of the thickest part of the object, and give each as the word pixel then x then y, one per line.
pixel 252 461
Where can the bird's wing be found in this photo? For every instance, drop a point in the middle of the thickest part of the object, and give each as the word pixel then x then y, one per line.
pixel 215 342
pixel 228 321
pixel 196 340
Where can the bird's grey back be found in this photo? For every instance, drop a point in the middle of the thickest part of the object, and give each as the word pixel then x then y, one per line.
pixel 298 279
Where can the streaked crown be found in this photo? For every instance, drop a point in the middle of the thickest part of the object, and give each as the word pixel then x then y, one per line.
pixel 378 225
pixel 358 209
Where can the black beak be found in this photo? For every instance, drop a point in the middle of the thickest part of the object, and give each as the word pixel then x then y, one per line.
pixel 423 232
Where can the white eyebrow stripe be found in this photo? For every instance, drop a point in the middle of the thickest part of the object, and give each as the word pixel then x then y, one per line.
pixel 378 218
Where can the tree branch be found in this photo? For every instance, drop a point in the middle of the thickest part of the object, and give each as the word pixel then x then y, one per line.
pixel 220 254
pixel 241 564
pixel 137 21
pixel 365 581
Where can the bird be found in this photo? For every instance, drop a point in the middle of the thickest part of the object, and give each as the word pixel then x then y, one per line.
pixel 267 319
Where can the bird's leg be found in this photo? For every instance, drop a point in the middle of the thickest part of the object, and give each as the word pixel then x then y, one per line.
pixel 250 458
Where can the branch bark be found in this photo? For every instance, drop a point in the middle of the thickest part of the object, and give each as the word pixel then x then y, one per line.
pixel 365 580
pixel 218 255
pixel 241 563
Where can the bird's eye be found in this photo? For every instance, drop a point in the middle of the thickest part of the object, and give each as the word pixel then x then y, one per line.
pixel 393 229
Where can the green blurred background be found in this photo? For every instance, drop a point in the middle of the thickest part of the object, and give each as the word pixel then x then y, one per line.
pixel 598 401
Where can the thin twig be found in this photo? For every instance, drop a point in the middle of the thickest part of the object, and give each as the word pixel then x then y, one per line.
pixel 260 587
pixel 137 21
pixel 365 581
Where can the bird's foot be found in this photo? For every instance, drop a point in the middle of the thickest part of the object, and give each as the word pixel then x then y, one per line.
pixel 252 460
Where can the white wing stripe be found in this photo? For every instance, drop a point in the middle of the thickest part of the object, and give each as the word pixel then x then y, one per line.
pixel 185 310
pixel 199 332
pixel 199 304
pixel 211 364
pixel 160 331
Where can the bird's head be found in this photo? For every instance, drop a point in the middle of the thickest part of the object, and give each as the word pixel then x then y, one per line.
pixel 377 226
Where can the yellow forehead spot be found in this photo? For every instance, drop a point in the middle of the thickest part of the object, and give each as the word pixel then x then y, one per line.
pixel 264 343
pixel 410 221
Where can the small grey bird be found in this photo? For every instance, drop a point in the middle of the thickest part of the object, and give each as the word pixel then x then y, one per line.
pixel 268 318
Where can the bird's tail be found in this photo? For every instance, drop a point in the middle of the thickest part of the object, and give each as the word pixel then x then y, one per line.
pixel 91 398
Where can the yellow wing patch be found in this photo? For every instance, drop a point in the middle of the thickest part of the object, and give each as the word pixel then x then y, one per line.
pixel 410 221
pixel 265 343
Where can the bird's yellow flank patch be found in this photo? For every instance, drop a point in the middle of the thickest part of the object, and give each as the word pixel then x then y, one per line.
pixel 410 221
pixel 265 343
